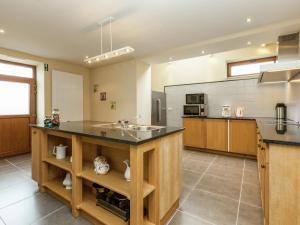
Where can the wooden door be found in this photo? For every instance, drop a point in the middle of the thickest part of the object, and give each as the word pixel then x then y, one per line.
pixel 243 137
pixel 18 107
pixel 217 134
pixel 194 133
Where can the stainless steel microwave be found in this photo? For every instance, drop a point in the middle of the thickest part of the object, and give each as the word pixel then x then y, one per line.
pixel 195 110
pixel 200 98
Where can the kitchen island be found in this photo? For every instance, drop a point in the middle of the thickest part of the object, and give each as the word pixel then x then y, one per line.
pixel 155 166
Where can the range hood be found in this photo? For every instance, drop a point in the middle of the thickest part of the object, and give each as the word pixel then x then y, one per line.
pixel 288 66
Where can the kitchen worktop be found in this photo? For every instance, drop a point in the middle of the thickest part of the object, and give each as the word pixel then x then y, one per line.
pixel 221 117
pixel 87 128
pixel 276 132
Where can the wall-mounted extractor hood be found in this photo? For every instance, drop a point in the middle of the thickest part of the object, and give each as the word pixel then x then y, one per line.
pixel 288 66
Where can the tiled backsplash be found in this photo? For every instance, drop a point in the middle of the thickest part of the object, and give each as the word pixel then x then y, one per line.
pixel 259 100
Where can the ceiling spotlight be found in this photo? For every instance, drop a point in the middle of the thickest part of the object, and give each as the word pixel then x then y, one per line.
pixel 87 57
pixel 97 59
pixel 248 20
pixel 249 43
pixel 203 52
pixel 263 45
pixel 2 31
pixel 89 62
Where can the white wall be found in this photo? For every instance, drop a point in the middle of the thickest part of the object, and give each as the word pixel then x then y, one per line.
pixel 205 68
pixel 143 76
pixel 129 84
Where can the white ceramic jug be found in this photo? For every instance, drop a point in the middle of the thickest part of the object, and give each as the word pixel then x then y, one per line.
pixel 68 181
pixel 60 151
pixel 127 171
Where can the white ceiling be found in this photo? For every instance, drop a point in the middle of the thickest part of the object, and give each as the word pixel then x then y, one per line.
pixel 157 29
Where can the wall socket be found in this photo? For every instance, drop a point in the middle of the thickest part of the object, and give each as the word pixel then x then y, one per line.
pixel 113 105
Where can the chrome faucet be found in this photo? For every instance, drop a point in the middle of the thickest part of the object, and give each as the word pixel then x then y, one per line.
pixel 124 123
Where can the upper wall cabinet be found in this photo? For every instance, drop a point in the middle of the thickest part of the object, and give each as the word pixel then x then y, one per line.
pixel 243 137
pixel 217 134
pixel 195 132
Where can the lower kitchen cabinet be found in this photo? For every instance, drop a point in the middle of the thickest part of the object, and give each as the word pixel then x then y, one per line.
pixel 217 134
pixel 242 137
pixel 195 132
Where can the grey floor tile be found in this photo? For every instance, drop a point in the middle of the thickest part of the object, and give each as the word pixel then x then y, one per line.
pixel 3 163
pixel 184 193
pixel 62 217
pixel 251 194
pixel 251 177
pixel 226 172
pixel 184 219
pixel 202 156
pixel 194 165
pixel 185 153
pixel 19 158
pixel 249 215
pixel 23 164
pixel 29 210
pixel 7 169
pixel 7 180
pixel 250 164
pixel 189 179
pixel 213 208
pixel 17 192
pixel 234 162
pixel 220 186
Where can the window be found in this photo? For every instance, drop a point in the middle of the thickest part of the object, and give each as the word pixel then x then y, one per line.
pixel 17 89
pixel 248 67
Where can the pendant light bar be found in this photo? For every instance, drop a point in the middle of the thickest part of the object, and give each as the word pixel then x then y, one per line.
pixel 109 55
pixel 112 53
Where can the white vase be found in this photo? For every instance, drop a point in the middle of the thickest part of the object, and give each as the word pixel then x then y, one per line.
pixel 127 171
pixel 68 181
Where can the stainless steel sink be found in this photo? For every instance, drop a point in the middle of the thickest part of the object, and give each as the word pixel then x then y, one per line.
pixel 132 127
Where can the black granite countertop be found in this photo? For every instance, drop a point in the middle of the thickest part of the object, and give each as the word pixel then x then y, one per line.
pixel 221 117
pixel 278 132
pixel 92 129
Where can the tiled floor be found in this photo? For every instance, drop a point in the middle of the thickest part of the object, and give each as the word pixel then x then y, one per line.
pixel 216 189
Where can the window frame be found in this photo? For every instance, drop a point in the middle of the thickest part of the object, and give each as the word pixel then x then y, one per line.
pixel 247 62
pixel 32 84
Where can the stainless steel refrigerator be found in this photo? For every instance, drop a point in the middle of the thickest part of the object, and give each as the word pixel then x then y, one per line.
pixel 158 109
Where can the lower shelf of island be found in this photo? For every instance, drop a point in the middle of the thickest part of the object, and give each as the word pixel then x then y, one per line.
pixel 57 187
pixel 89 206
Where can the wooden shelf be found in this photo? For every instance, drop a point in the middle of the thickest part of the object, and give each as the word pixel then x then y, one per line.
pixel 114 181
pixel 148 189
pixel 147 222
pixel 89 206
pixel 57 187
pixel 64 164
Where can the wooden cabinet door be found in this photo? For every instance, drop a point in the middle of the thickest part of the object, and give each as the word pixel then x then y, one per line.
pixel 35 153
pixel 217 134
pixel 243 137
pixel 194 133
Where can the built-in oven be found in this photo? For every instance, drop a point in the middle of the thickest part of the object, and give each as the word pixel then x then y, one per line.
pixel 195 110
pixel 200 98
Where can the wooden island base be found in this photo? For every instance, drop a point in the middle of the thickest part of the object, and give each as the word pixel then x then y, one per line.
pixel 153 191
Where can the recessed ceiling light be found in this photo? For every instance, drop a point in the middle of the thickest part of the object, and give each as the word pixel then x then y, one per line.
pixel 87 57
pixel 263 45
pixel 248 20
pixel 97 59
pixel 89 62
pixel 203 52
pixel 2 31
pixel 249 43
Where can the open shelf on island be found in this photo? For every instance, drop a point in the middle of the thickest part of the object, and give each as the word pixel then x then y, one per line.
pixel 114 181
pixel 64 164
pixel 57 187
pixel 89 206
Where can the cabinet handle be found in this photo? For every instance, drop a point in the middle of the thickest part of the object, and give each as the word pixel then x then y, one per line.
pixel 262 148
pixel 34 132
pixel 262 166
